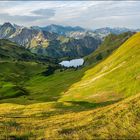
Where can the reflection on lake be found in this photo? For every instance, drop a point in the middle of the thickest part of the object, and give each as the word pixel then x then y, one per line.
pixel 72 63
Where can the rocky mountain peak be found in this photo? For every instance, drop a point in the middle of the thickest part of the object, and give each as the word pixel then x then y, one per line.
pixel 6 30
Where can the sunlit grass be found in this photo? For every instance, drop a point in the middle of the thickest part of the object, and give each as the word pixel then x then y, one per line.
pixel 116 76
pixel 63 121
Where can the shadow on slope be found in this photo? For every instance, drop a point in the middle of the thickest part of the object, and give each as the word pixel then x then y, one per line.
pixel 114 121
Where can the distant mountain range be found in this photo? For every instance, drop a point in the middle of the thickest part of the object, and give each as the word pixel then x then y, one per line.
pixel 49 43
pixel 79 32
pixel 62 30
pixel 100 33
pixel 108 30
pixel 57 41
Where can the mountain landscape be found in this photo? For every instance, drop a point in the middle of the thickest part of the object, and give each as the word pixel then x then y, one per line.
pixel 53 44
pixel 41 99
pixel 58 41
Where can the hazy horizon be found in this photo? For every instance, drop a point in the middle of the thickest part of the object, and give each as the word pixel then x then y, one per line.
pixel 70 26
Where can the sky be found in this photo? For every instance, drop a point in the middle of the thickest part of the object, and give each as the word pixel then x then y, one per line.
pixel 87 14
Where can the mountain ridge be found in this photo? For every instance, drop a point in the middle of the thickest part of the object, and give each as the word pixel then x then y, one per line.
pixel 64 42
pixel 48 43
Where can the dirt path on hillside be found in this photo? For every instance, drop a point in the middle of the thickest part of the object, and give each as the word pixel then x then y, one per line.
pixel 101 75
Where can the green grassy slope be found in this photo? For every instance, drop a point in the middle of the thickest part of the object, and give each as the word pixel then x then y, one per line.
pixel 11 51
pixel 110 44
pixel 50 88
pixel 44 88
pixel 14 75
pixel 67 121
pixel 17 66
pixel 115 78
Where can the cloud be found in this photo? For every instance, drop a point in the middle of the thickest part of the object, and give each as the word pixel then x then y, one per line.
pixel 89 14
pixel 45 12
pixel 6 16
pixel 39 14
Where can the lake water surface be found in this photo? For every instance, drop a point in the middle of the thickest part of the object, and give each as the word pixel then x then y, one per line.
pixel 73 63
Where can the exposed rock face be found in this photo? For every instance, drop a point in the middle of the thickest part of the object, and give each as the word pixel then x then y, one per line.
pixel 6 30
pixel 23 36
pixel 49 43
pixel 73 48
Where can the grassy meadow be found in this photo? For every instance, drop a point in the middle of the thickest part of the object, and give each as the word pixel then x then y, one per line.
pixel 65 120
pixel 99 101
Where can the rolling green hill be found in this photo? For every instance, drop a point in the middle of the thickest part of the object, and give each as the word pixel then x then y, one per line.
pixel 17 66
pixel 13 76
pixel 110 44
pixel 114 78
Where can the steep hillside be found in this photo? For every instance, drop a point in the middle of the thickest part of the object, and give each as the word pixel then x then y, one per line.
pixel 11 51
pixel 110 44
pixel 115 78
pixel 64 47
pixel 17 66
